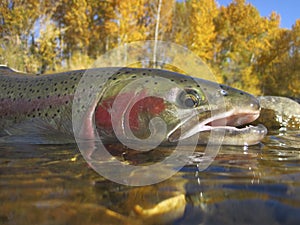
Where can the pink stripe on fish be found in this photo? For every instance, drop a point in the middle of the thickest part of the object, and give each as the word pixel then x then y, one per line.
pixel 10 106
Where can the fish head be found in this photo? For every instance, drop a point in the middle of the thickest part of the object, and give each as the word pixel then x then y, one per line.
pixel 171 107
pixel 221 110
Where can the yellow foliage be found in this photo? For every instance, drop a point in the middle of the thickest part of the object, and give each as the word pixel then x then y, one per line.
pixel 250 81
pixel 244 49
pixel 202 33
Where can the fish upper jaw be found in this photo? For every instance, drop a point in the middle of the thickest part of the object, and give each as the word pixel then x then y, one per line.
pixel 224 124
pixel 231 118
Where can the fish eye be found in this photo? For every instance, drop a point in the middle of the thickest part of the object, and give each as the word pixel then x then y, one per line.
pixel 189 98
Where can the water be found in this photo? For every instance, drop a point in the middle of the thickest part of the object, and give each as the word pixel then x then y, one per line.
pixel 48 184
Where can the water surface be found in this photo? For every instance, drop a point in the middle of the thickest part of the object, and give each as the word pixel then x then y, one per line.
pixel 52 184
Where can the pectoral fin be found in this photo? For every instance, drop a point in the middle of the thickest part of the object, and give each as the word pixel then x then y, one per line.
pixel 34 131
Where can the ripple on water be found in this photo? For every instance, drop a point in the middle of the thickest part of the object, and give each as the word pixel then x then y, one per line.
pixel 52 184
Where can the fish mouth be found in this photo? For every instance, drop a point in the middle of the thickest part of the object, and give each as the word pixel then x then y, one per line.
pixel 228 124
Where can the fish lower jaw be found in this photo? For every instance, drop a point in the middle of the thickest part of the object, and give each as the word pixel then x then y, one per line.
pixel 248 135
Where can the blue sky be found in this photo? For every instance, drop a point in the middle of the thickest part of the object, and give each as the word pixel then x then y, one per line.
pixel 289 10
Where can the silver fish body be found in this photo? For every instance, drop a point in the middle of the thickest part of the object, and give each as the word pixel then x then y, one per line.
pixel 38 109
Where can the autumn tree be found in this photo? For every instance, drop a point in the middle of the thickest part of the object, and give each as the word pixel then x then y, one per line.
pixel 241 34
pixel 72 21
pixel 102 26
pixel 281 66
pixel 201 36
pixel 243 48
pixel 294 61
pixel 17 19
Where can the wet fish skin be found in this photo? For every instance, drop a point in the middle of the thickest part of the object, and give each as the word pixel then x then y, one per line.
pixel 41 106
pixel 27 97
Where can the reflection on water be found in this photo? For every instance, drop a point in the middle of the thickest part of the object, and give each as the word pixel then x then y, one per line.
pixel 47 184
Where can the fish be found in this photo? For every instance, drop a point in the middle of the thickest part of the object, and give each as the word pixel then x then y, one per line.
pixel 131 104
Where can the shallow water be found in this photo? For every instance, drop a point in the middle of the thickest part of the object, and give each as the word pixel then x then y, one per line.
pixel 48 184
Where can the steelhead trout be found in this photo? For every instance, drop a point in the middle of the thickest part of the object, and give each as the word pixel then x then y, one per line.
pixel 38 109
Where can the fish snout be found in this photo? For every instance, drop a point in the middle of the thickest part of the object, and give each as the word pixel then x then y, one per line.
pixel 242 101
pixel 254 104
pixel 243 107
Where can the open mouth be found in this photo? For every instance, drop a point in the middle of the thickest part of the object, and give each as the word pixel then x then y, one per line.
pixel 228 124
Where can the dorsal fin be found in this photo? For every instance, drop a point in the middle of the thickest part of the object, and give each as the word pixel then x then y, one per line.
pixel 5 67
pixel 6 70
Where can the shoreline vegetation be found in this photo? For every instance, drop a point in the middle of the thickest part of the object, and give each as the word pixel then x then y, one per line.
pixel 244 49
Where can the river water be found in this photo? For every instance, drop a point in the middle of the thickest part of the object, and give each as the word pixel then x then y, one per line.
pixel 53 184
